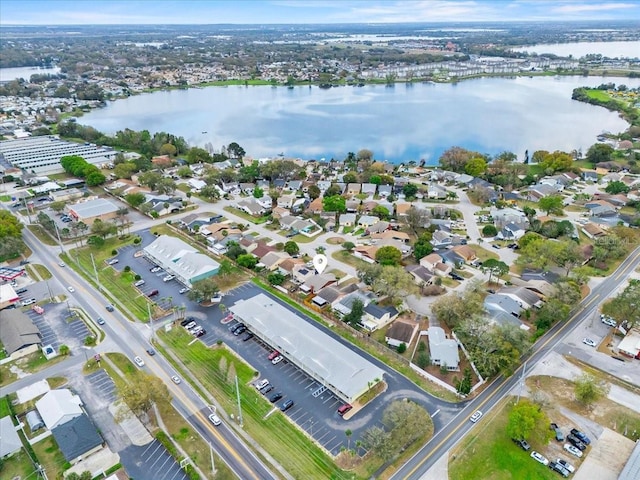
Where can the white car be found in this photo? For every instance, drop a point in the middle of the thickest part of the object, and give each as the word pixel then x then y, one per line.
pixel 28 301
pixel 588 341
pixel 176 379
pixel 113 261
pixel 168 278
pixel 139 361
pixel 475 417
pixel 215 419
pixel 183 290
pixel 262 383
pixel 62 264
pixel 139 283
pixel 539 458
pixel 572 450
pixel 277 360
pixel 71 289
pixel 609 321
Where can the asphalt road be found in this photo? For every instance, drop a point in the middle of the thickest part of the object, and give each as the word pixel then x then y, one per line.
pixel 452 433
pixel 131 341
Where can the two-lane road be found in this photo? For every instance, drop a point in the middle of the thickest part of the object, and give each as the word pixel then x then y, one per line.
pixel 452 433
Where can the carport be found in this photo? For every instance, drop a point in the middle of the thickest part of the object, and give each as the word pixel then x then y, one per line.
pixel 323 358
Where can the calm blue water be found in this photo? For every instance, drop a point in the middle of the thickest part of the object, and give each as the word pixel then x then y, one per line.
pixel 8 74
pixel 398 124
pixel 580 49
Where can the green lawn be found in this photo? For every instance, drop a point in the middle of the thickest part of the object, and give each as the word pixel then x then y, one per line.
pixel 4 407
pixel 5 198
pixel 42 235
pixel 250 218
pixel 216 369
pixel 487 452
pixel 40 271
pixel 18 466
pixel 50 457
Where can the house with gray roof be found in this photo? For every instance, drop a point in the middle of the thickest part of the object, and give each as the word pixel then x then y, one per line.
pixel 526 298
pixel 421 275
pixel 365 221
pixel 9 440
pixel 384 190
pixel 343 305
pixel 251 206
pixel 327 296
pixel 369 188
pixel 78 438
pixel 316 283
pixel 347 219
pixel 376 316
pixel 443 351
pixel 504 303
pixel 18 334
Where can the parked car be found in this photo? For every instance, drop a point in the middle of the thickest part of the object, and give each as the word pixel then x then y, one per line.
pixel 187 321
pixel 455 276
pixel 275 397
pixel 237 327
pixel 183 290
pixel 168 278
pixel 475 417
pixel 62 264
pixel 558 432
pixel 583 438
pixel 201 333
pixel 559 468
pixel 522 444
pixel 273 355
pixel 138 361
pixel 239 330
pixel 213 418
pixel 262 383
pixel 277 360
pixel 343 409
pixel 155 269
pixel 576 442
pixel 28 301
pixel 139 283
pixel 248 336
pixel 588 341
pixel 572 450
pixel 566 465
pixel 22 290
pixel 153 293
pixel 286 405
pixel 539 458
pixel 190 325
pixel 113 261
pixel 266 389
pixel 608 321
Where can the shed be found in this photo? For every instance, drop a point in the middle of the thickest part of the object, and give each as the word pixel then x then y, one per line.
pixel 34 420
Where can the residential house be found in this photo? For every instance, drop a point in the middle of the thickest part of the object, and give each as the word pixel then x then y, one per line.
pixel 590 176
pixel 442 350
pixel 401 331
pixel 278 213
pixel 293 185
pixel 384 190
pixel 196 185
pixel 402 209
pixel 272 260
pixel 353 188
pixel 592 230
pixel 525 298
pixel 251 206
pixel 344 304
pixel 369 206
pixel 600 208
pixel 441 239
pixel 247 188
pixel 461 179
pixel 263 184
pixel 316 283
pixel 420 274
pixel 352 206
pixel 286 201
pixel 323 185
pixel 504 303
pixel 59 406
pixel 511 231
pixel 261 249
pixel 442 269
pixel 435 191
pixel 369 189
pixel 430 261
pixel 163 204
pixel 77 439
pixel 231 187
pixel 377 227
pixel 347 219
pixel 449 257
pixel 9 439
pixel 315 207
pixel 327 296
pixel 390 234
pixel 376 316
pixel 366 252
pixel 301 273
pixel 365 221
pixel 287 265
pixel 299 205
pixel 279 183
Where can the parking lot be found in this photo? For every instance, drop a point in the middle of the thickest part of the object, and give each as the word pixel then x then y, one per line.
pixel 102 385
pixel 58 327
pixel 151 461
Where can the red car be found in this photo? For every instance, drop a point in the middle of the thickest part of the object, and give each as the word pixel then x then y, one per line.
pixel 273 355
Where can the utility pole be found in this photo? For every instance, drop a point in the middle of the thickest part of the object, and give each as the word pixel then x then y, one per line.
pixel 239 405
pixel 55 225
pixel 524 368
pixel 95 271
pixel 150 320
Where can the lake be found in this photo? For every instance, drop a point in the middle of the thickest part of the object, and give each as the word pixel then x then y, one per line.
pixel 399 123
pixel 580 49
pixel 8 74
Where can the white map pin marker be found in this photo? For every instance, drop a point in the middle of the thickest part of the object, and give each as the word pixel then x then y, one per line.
pixel 320 263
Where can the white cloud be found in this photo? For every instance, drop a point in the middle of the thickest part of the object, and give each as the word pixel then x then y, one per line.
pixel 592 7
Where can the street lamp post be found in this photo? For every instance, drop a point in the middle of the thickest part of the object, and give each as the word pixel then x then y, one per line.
pixel 58 235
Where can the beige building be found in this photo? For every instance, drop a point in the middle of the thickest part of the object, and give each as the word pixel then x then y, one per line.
pixel 90 210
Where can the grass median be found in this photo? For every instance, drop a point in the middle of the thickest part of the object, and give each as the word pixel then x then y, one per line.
pixel 216 368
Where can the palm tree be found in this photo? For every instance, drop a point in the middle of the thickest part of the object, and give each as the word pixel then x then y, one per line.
pixel 122 216
pixel 348 433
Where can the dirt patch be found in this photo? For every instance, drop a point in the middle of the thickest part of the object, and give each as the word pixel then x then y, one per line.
pixel 607 457
pixel 335 240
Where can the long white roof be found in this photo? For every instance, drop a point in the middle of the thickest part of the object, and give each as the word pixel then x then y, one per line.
pixel 341 369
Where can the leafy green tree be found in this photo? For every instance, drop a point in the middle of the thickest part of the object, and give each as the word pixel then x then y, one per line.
pixel 258 192
pixel 135 199
pixel 388 255
pixel 247 261
pixel 198 155
pixel 142 392
pixel 393 281
pixel 495 267
pixel 150 179
pixel 402 348
pixel 551 204
pixel 313 191
pixel 332 191
pixel 276 278
pixel 489 231
pixel 475 167
pixel 203 289
pixel 57 206
pixel 410 190
pixel 376 439
pixel 235 150
pixel 354 317
pixel 417 219
pixel 527 421
pixel 11 247
pixel 456 306
pixel 348 246
pixel 210 192
pixel 557 162
pixel 423 246
pixel 625 305
pixel 464 385
pixel 381 212
pixel 291 248
pixel 335 203
pixel 350 177
pixel 588 390
pixel 234 250
pixel 599 152
pixel 616 187
pixel 10 226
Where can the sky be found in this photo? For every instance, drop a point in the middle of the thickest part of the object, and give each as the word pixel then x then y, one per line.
pixel 92 12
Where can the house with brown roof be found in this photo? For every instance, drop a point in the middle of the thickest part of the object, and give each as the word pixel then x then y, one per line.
pixel 316 283
pixel 392 234
pixel 288 264
pixel 315 206
pixel 465 252
pixel 401 331
pixel 353 188
pixel 272 260
pixel 366 253
pixel 442 269
pixel 261 250
pixel 162 161
pixel 430 261
pixel 378 227
pixel 279 212
pixel 592 230
pixel 402 209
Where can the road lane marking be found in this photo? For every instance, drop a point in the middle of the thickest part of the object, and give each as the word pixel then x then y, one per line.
pixel 435 413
